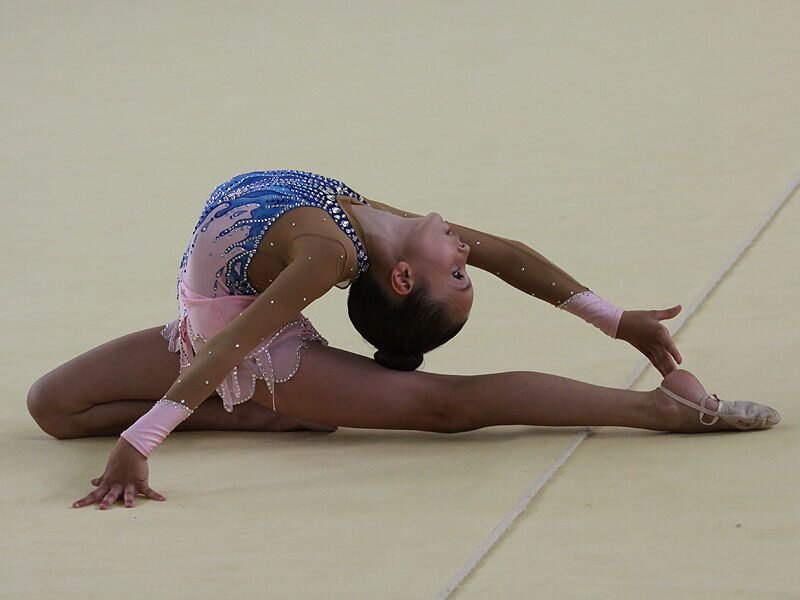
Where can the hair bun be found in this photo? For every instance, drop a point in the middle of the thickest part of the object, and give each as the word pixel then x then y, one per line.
pixel 397 361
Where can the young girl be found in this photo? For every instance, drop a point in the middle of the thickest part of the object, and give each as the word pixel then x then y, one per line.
pixel 269 243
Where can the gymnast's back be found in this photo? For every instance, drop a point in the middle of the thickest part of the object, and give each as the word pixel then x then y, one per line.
pixel 255 224
pixel 251 225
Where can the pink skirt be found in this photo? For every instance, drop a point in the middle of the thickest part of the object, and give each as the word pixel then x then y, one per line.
pixel 275 359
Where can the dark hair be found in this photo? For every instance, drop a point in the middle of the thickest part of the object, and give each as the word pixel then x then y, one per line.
pixel 402 329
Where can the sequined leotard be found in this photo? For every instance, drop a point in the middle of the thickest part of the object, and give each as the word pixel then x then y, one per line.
pixel 283 238
pixel 240 211
pixel 218 276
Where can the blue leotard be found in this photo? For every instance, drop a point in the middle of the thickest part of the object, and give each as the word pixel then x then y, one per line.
pixel 240 211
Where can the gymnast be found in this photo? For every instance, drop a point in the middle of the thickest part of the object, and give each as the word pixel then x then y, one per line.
pixel 269 243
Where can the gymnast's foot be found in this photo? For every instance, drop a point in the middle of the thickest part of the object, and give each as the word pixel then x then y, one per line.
pixel 686 407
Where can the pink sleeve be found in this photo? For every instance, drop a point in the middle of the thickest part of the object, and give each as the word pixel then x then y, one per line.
pixel 595 310
pixel 155 425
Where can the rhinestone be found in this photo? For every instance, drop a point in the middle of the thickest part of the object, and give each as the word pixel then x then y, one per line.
pixel 206 381
pixel 237 345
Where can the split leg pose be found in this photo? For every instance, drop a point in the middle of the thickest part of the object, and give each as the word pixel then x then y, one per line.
pixel 266 245
pixel 75 401
pixel 103 391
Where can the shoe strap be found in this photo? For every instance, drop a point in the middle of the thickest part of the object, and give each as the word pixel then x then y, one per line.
pixel 700 407
pixel 710 412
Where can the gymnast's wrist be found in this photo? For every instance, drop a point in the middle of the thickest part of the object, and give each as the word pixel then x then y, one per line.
pixel 595 310
pixel 155 425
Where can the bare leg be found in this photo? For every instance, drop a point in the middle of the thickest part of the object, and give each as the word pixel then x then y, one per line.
pixel 336 387
pixel 104 390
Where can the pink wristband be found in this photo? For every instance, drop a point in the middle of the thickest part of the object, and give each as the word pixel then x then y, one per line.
pixel 595 310
pixel 155 425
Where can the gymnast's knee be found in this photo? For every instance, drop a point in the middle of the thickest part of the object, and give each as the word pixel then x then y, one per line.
pixel 45 408
pixel 450 413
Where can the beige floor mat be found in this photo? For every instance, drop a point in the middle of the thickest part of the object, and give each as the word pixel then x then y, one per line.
pixel 633 144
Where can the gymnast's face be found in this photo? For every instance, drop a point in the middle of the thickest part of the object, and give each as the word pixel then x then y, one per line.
pixel 436 254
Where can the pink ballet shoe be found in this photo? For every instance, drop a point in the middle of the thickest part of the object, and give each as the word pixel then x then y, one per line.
pixel 741 414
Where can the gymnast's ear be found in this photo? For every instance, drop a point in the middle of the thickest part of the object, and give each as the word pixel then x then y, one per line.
pixel 401 281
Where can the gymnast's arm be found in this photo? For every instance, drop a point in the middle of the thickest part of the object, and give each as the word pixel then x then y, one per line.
pixel 528 271
pixel 515 263
pixel 315 266
pixel 316 263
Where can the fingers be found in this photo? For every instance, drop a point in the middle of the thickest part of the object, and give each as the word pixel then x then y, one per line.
pixel 129 492
pixel 91 497
pixel 673 350
pixel 664 363
pixel 668 313
pixel 152 494
pixel 111 496
pixel 662 368
pixel 661 360
pixel 667 365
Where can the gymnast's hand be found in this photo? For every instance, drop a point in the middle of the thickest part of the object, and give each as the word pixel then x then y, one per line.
pixel 125 476
pixel 642 329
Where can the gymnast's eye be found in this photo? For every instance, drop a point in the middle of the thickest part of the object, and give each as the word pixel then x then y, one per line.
pixel 459 274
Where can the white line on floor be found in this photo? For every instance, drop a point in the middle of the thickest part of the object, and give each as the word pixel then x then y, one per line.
pixel 506 522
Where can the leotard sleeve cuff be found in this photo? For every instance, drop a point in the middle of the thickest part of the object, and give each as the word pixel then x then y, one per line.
pixel 594 310
pixel 155 425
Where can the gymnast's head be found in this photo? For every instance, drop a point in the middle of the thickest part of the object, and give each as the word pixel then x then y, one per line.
pixel 416 294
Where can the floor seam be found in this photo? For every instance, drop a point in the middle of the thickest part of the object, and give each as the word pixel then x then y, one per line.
pixel 519 508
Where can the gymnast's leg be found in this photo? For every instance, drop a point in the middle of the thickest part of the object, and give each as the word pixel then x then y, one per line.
pixel 104 390
pixel 336 387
